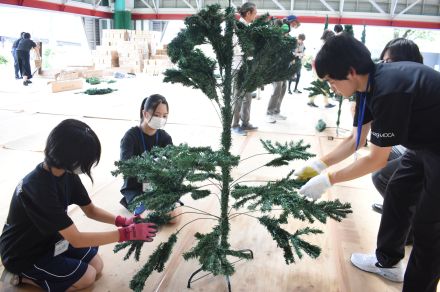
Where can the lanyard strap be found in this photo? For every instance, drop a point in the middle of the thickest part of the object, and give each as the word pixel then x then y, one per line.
pixel 143 139
pixel 362 103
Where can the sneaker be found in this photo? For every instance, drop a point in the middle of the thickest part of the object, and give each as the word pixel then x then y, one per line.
pixel 368 263
pixel 289 92
pixel 279 117
pixel 270 119
pixel 377 207
pixel 329 105
pixel 249 127
pixel 25 83
pixel 312 104
pixel 8 277
pixel 297 91
pixel 239 131
pixel 29 82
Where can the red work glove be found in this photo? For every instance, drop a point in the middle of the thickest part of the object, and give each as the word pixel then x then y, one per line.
pixel 122 221
pixel 141 231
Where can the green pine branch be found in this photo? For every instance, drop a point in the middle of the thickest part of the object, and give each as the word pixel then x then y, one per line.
pixel 287 152
pixel 210 254
pixel 282 193
pixel 318 87
pixel 156 262
pixel 286 241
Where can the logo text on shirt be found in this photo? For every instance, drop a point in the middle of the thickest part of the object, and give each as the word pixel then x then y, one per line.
pixel 382 135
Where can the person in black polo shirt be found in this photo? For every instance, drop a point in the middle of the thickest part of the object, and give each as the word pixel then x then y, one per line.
pixel 14 54
pixel 40 244
pixel 139 139
pixel 400 103
pixel 396 50
pixel 23 57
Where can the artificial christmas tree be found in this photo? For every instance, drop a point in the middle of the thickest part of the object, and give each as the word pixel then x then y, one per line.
pixel 175 171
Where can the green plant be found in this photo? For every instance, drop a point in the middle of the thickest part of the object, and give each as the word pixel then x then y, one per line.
pixel 93 80
pixel 3 60
pixel 98 91
pixel 175 171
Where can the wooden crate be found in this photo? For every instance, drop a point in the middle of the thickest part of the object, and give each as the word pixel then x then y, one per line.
pixel 92 73
pixel 65 85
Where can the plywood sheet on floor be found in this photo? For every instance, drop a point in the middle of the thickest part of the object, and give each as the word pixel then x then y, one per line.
pixel 28 112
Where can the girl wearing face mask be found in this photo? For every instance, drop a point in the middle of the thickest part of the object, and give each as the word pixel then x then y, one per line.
pixel 142 138
pixel 40 245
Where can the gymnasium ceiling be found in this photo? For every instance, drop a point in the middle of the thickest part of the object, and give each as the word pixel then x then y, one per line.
pixel 399 13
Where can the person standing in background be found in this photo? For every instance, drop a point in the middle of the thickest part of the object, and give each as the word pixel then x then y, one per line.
pixel 14 55
pixel 299 54
pixel 23 56
pixel 242 104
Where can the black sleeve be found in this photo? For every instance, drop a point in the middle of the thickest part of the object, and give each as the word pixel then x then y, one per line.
pixel 80 196
pixel 43 208
pixel 368 117
pixel 128 150
pixel 33 44
pixel 392 114
pixel 127 146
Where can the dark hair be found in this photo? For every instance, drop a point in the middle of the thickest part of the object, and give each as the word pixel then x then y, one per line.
pixel 341 53
pixel 245 8
pixel 327 34
pixel 302 37
pixel 338 28
pixel 151 103
pixel 402 49
pixel 72 144
pixel 26 35
pixel 22 34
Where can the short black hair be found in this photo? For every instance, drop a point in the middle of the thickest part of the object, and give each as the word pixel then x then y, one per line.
pixel 72 144
pixel 151 103
pixel 401 49
pixel 26 35
pixel 245 8
pixel 327 34
pixel 338 28
pixel 341 53
pixel 22 34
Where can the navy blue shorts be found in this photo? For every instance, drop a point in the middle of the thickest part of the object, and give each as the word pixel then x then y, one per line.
pixel 61 272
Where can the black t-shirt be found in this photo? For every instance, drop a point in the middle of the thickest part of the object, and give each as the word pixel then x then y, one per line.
pixel 37 212
pixel 26 45
pixel 132 145
pixel 404 106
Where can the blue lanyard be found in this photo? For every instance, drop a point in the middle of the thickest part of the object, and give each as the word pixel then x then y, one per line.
pixel 362 103
pixel 143 139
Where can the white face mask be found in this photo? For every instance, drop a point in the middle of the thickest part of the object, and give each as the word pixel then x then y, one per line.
pixel 157 123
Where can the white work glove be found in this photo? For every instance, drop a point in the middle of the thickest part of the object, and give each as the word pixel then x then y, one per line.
pixel 310 169
pixel 316 186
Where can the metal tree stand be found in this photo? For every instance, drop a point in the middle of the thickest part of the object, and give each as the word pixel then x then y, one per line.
pixel 190 280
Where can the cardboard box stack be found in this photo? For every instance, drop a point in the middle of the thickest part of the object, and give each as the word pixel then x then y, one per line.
pixel 125 49
pixel 158 63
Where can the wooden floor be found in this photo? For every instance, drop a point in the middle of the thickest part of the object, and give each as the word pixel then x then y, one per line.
pixel 28 114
